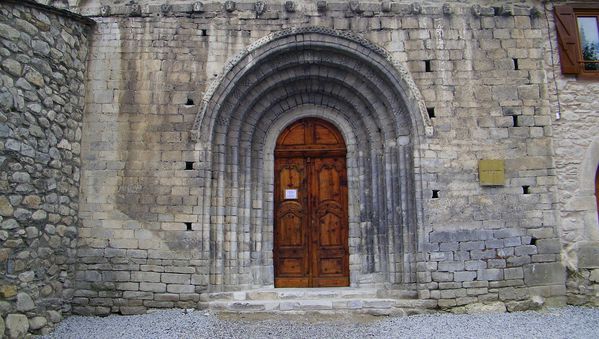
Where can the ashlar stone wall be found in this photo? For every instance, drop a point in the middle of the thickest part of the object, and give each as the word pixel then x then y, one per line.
pixel 152 236
pixel 43 54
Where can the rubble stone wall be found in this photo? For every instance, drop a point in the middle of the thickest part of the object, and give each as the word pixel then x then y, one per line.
pixel 43 57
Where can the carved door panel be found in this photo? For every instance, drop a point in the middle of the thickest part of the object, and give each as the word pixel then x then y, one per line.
pixel 291 255
pixel 328 194
pixel 311 224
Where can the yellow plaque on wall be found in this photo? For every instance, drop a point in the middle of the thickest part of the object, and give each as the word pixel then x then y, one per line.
pixel 491 172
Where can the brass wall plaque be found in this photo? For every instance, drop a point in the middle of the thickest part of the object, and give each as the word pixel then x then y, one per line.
pixel 491 172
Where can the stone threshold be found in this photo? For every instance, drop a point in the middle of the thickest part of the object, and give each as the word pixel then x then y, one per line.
pixel 321 300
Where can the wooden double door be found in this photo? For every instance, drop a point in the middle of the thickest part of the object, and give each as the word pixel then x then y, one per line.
pixel 311 224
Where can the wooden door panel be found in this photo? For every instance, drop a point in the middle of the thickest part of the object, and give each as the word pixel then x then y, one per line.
pixel 330 230
pixel 291 231
pixel 311 224
pixel 330 212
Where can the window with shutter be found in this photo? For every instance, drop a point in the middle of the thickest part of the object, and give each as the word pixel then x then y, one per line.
pixel 578 38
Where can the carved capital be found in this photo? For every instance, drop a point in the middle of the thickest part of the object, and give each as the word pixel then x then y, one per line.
pixel 134 10
pixel 415 8
pixel 354 6
pixel 290 6
pixel 105 11
pixel 260 7
pixel 321 5
pixel 198 7
pixel 230 6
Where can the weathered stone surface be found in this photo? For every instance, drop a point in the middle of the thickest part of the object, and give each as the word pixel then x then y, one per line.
pixel 8 291
pixel 24 302
pixel 17 325
pixel 544 274
pixel 479 308
pixel 36 323
pixel 54 316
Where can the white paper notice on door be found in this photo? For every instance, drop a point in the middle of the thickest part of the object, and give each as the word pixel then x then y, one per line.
pixel 291 194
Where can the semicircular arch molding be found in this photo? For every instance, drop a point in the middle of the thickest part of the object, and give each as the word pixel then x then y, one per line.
pixel 313 37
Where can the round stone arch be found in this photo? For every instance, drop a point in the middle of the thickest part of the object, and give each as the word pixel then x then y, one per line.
pixel 346 41
pixel 246 108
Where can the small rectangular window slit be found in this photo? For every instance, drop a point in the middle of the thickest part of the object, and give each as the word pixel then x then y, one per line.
pixel 435 194
pixel 189 165
pixel 189 102
pixel 431 112
pixel 516 64
pixel 525 189
pixel 188 226
pixel 515 120
pixel 204 32
pixel 427 66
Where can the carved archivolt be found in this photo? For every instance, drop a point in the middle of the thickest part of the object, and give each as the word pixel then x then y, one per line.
pixel 397 71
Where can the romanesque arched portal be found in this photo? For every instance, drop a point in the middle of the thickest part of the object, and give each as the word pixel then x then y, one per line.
pixel 369 98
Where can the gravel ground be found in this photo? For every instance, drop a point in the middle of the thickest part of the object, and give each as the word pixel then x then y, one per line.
pixel 568 322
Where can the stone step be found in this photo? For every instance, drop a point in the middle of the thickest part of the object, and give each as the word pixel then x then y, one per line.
pixel 368 305
pixel 309 294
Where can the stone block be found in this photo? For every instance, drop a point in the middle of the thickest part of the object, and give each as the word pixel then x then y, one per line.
pixel 525 250
pixel 175 278
pixel 489 308
pixel 483 254
pixel 138 295
pixel 24 302
pixel 472 245
pixel 8 291
pixel 145 276
pixel 451 266
pixel 518 261
pixel 54 316
pixel 17 325
pixel 464 276
pixel 513 241
pixel 588 255
pixel 490 274
pixel 442 276
pixel 166 297
pixel 494 243
pixel 544 274
pixel 511 293
pixel 508 233
pixel 36 323
pixel 513 273
pixel 441 256
pixel 152 287
pixel 496 263
pixel 178 288
pixel 547 246
pixel 442 236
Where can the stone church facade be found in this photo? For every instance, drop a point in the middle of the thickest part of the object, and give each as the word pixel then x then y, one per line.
pixel 138 165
